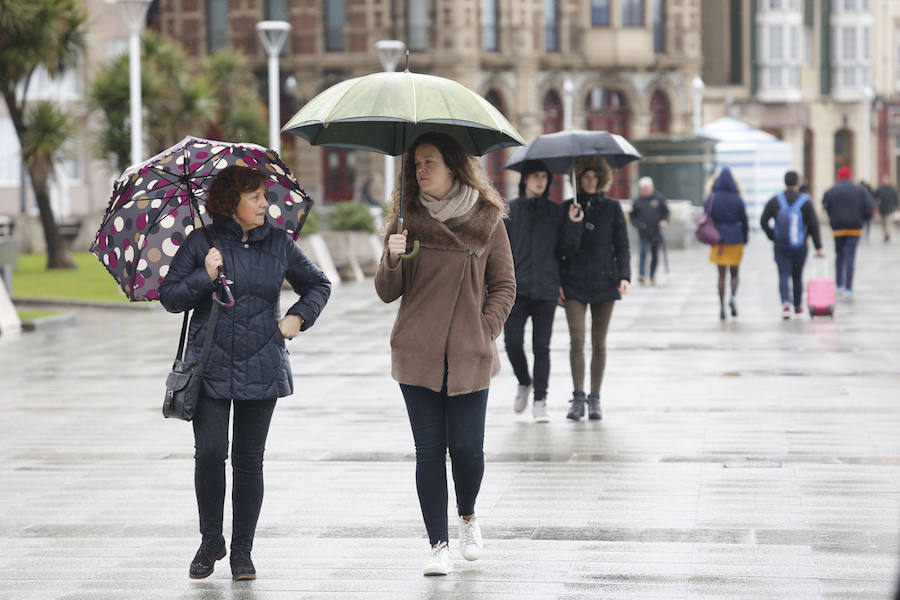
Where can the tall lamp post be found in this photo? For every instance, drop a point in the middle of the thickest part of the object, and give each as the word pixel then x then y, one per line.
pixel 698 86
pixel 273 34
pixel 389 53
pixel 568 101
pixel 133 13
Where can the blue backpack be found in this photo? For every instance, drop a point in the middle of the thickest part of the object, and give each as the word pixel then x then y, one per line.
pixel 790 230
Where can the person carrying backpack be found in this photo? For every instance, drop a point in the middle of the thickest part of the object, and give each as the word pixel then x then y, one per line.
pixel 795 220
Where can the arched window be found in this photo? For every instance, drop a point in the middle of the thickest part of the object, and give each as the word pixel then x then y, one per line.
pixel 493 162
pixel 660 113
pixel 607 109
pixel 553 121
pixel 843 150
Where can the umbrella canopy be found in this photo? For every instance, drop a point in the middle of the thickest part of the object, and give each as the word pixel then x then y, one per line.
pixel 385 112
pixel 157 203
pixel 559 150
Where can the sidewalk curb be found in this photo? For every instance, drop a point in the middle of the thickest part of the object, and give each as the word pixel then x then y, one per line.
pixel 50 322
pixel 66 302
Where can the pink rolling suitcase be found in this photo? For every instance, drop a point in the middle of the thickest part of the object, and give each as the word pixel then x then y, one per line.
pixel 820 293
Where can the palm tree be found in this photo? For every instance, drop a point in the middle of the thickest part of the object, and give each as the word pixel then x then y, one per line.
pixel 39 34
pixel 241 115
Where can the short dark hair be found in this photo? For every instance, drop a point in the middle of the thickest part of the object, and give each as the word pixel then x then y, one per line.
pixel 226 188
pixel 535 166
pixel 791 178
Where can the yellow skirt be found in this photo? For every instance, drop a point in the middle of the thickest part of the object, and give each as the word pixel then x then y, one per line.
pixel 726 255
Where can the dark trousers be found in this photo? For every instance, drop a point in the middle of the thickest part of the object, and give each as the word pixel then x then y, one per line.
pixel 439 422
pixel 790 263
pixel 601 313
pixel 251 426
pixel 541 313
pixel 653 246
pixel 844 260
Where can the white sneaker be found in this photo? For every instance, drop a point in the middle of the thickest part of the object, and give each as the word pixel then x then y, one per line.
pixel 522 398
pixel 470 543
pixel 539 412
pixel 439 561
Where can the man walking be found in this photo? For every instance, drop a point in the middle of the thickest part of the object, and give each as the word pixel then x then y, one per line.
pixel 795 220
pixel 848 210
pixel 886 199
pixel 649 214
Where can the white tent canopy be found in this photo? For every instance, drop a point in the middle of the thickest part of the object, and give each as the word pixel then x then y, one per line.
pixel 758 161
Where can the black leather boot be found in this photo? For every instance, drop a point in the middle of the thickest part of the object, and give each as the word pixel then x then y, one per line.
pixel 241 566
pixel 576 408
pixel 594 412
pixel 205 560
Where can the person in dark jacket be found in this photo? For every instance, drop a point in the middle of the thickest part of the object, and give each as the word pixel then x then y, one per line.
pixel 595 275
pixel 790 260
pixel 848 209
pixel 886 201
pixel 539 234
pixel 248 364
pixel 729 214
pixel 649 215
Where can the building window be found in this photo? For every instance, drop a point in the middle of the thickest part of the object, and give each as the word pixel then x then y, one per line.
pixel 551 26
pixel 843 150
pixel 277 10
pixel 335 19
pixel 490 19
pixel 659 26
pixel 339 166
pixel 600 13
pixel 608 109
pixel 632 13
pixel 660 113
pixel 779 30
pixel 216 24
pixel 851 50
pixel 553 122
pixel 417 25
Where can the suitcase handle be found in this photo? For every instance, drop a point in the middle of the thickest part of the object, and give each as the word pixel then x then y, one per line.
pixel 823 261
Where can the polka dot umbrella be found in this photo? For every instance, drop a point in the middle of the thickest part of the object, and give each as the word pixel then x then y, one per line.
pixel 157 203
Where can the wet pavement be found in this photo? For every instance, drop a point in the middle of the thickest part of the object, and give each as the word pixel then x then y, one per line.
pixel 748 459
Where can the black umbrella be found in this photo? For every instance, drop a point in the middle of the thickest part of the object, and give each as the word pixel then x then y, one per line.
pixel 559 150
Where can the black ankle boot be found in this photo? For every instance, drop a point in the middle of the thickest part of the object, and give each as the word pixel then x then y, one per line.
pixel 205 560
pixel 241 566
pixel 576 408
pixel 594 413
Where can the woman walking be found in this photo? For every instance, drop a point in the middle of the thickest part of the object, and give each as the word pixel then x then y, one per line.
pixel 539 233
pixel 728 213
pixel 248 365
pixel 595 276
pixel 455 296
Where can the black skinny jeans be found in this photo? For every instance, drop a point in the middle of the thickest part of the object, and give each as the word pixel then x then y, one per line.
pixel 440 421
pixel 251 426
pixel 541 313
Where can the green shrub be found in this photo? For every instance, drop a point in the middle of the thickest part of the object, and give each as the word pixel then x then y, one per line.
pixel 352 216
pixel 313 224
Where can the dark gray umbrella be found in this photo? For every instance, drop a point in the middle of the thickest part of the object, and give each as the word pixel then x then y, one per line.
pixel 559 150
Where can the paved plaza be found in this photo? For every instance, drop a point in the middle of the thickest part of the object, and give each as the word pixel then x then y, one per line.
pixel 748 459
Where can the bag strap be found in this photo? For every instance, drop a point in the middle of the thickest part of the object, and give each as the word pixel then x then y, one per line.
pixel 712 198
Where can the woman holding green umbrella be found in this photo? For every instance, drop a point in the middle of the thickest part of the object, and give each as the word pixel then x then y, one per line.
pixel 454 299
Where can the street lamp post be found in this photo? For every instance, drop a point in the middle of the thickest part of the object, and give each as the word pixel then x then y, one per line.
pixel 273 34
pixel 568 87
pixel 698 86
pixel 133 13
pixel 389 53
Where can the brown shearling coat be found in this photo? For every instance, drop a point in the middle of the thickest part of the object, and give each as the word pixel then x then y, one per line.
pixel 455 297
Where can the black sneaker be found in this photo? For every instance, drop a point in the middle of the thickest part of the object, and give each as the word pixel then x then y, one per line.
pixel 242 568
pixel 205 560
pixel 594 412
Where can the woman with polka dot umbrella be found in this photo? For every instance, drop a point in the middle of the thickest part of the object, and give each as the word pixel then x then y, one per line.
pixel 157 203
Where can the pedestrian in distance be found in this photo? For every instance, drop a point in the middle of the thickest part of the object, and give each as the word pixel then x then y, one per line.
pixel 649 215
pixel 886 203
pixel 540 232
pixel 455 295
pixel 595 275
pixel 729 214
pixel 248 364
pixel 848 209
pixel 795 220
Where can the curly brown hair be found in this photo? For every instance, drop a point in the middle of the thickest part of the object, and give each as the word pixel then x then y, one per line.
pixel 226 188
pixel 464 167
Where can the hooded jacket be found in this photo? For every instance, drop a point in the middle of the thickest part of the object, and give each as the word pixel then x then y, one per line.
pixel 455 295
pixel 848 207
pixel 247 359
pixel 728 211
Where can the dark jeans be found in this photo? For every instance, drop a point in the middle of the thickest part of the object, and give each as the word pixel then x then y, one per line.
pixel 646 243
pixel 439 421
pixel 790 263
pixel 251 426
pixel 541 313
pixel 844 260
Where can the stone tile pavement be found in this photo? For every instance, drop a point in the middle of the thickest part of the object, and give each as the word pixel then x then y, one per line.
pixel 748 459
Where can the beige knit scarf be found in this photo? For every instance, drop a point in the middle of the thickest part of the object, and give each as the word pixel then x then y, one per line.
pixel 458 201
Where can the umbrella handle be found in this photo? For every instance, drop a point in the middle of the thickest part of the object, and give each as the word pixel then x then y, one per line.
pixel 415 249
pixel 226 292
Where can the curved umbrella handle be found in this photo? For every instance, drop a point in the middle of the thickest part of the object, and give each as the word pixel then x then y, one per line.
pixel 415 251
pixel 228 302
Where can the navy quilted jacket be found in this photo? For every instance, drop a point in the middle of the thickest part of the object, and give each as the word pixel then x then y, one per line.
pixel 728 212
pixel 247 360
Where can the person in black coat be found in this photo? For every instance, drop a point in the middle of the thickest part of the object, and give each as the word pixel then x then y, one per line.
pixel 849 208
pixel 539 234
pixel 248 364
pixel 595 275
pixel 649 215
pixel 886 200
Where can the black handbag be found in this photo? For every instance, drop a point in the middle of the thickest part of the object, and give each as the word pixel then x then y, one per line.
pixel 185 381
